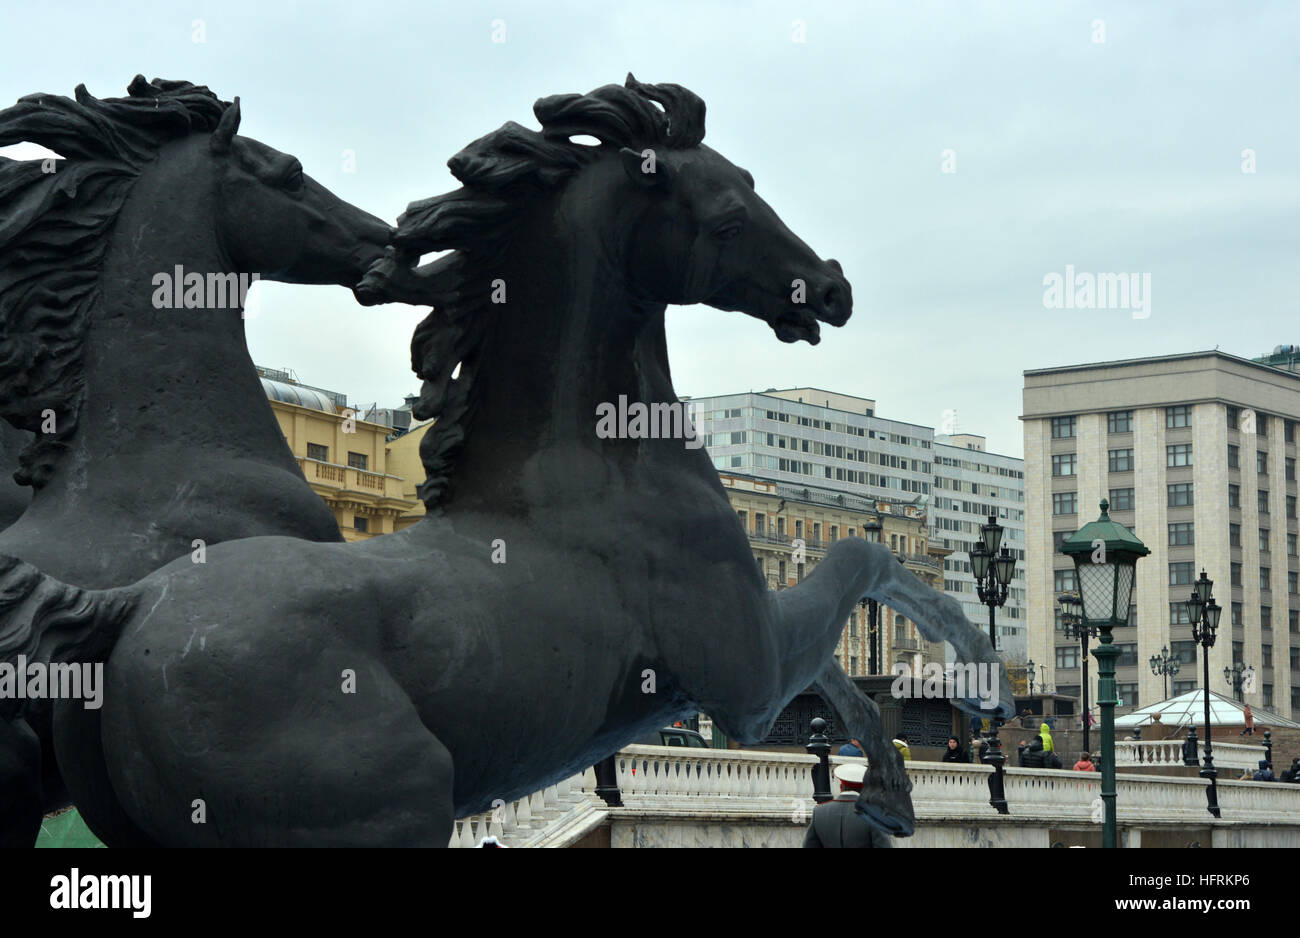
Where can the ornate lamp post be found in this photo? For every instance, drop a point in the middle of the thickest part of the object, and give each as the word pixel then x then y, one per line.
pixel 1166 666
pixel 1030 672
pixel 872 531
pixel 993 570
pixel 1105 555
pixel 1236 677
pixel 1204 613
pixel 1072 625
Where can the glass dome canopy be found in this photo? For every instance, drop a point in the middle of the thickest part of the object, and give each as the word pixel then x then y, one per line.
pixel 299 395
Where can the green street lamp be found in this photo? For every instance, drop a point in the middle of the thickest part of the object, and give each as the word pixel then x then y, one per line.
pixel 1105 555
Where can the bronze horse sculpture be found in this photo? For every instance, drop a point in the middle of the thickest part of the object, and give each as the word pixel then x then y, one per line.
pixel 145 426
pixel 565 593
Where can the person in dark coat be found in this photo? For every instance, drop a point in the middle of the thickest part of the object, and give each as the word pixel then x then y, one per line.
pixel 852 748
pixel 1031 754
pixel 954 752
pixel 1265 773
pixel 837 822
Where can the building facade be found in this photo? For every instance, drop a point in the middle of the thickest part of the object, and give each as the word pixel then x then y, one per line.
pixel 344 459
pixel 1196 454
pixel 790 528
pixel 812 437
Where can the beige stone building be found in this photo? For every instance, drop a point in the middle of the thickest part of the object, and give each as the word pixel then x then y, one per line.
pixel 343 458
pixel 1196 454
pixel 778 515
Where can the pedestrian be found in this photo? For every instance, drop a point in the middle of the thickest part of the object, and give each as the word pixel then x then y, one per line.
pixel 1288 775
pixel 1045 733
pixel 900 743
pixel 1085 764
pixel 1031 753
pixel 852 748
pixel 1250 722
pixel 954 752
pixel 1265 773
pixel 837 823
pixel 1026 719
pixel 976 723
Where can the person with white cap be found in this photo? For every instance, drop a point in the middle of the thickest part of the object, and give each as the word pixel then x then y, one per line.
pixel 837 823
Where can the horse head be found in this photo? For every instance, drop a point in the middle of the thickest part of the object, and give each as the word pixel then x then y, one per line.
pixel 277 220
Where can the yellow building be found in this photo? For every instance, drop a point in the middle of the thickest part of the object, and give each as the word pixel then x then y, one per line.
pixel 404 461
pixel 779 517
pixel 344 459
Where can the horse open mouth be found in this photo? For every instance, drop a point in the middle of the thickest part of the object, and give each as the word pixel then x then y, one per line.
pixel 791 325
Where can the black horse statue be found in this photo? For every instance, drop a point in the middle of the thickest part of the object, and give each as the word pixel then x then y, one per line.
pixel 566 592
pixel 146 427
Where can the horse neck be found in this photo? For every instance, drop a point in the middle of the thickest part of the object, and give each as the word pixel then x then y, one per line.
pixel 157 380
pixel 559 347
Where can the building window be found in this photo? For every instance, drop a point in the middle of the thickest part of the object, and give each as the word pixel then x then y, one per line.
pixel 1182 574
pixel 1234 535
pixel 1263 540
pixel 1128 694
pixel 1238 649
pixel 1065 503
pixel 1064 581
pixel 1268 692
pixel 1261 462
pixel 1261 424
pixel 1288 430
pixel 1180 416
pixel 1180 495
pixel 1290 468
pixel 1266 617
pixel 1178 455
pixel 1062 427
pixel 1183 652
pixel 1182 687
pixel 1236 575
pixel 1234 496
pixel 1262 498
pixel 1181 534
pixel 1121 460
pixel 1067 656
pixel 1290 506
pixel 1178 614
pixel 361 524
pixel 900 629
pixel 1133 616
pixel 1128 655
pixel 853 664
pixel 1292 582
pixel 1291 545
pixel 1232 417
pixel 1063 464
pixel 318 452
pixel 1265 575
pixel 358 460
pixel 1236 613
pixel 1234 457
pixel 1119 421
pixel 1121 499
pixel 1058 538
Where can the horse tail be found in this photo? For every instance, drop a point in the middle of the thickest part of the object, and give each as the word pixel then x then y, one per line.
pixel 48 621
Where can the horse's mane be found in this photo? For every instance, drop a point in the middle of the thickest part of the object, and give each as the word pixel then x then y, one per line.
pixel 501 173
pixel 54 234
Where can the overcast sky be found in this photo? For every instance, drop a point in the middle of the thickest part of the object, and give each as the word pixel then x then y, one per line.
pixel 1123 155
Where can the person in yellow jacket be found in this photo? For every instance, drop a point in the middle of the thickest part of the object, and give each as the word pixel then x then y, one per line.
pixel 900 743
pixel 1045 734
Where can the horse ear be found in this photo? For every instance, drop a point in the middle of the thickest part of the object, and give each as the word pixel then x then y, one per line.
pixel 645 168
pixel 225 132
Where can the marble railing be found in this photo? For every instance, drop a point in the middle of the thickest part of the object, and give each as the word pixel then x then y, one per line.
pixel 707 785
pixel 1170 752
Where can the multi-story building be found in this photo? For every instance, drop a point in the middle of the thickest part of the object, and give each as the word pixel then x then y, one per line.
pixel 809 436
pixel 343 458
pixel 970 487
pixel 1196 454
pixel 791 527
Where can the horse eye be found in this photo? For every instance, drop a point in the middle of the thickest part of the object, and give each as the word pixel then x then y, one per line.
pixel 728 231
